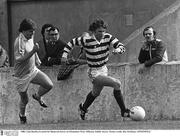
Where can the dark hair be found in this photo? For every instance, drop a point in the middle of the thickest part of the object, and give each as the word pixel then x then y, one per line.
pixel 44 27
pixel 27 24
pixel 97 24
pixel 53 29
pixel 147 28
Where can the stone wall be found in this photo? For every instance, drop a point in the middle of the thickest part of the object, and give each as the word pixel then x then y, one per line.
pixel 157 91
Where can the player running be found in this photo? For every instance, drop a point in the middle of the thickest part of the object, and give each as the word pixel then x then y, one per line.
pixel 96 46
pixel 25 69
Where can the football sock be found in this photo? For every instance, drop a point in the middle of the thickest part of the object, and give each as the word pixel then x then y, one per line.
pixel 89 100
pixel 22 107
pixel 23 102
pixel 119 98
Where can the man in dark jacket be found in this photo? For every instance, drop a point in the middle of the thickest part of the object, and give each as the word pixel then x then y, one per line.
pixel 51 52
pixel 152 51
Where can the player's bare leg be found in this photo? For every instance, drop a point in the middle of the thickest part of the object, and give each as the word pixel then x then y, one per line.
pixel 22 106
pixel 45 86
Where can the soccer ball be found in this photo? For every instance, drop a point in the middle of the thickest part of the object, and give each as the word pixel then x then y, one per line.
pixel 137 113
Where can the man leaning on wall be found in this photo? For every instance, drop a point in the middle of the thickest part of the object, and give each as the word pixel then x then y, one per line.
pixel 52 50
pixel 152 51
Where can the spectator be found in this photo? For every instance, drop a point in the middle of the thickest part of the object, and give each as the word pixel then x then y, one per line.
pixel 4 59
pixel 53 48
pixel 44 41
pixel 152 51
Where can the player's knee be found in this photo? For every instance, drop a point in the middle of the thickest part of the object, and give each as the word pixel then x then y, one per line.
pixel 117 85
pixel 95 93
pixel 49 86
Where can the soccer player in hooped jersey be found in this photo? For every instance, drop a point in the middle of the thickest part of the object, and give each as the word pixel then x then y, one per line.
pixel 96 46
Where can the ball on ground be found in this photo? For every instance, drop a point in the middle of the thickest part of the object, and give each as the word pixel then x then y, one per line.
pixel 137 113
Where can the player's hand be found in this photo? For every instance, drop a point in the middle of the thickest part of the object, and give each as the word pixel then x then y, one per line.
pixel 119 50
pixel 36 47
pixel 64 61
pixel 142 69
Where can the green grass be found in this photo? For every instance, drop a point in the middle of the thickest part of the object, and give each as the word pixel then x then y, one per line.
pixel 97 125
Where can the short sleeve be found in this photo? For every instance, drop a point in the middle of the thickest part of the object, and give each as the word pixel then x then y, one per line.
pixel 19 49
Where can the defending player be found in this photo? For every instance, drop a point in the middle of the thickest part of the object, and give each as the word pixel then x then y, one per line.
pixel 25 69
pixel 96 46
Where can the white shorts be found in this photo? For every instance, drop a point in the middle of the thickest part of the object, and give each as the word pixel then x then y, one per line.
pixel 94 72
pixel 23 83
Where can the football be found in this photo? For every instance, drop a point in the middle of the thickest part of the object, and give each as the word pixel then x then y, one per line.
pixel 137 113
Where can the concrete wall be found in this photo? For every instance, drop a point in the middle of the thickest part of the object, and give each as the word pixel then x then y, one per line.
pixel 4 39
pixel 73 17
pixel 157 91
